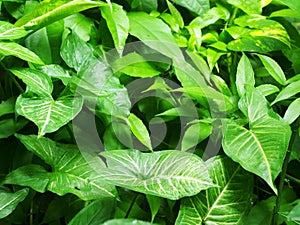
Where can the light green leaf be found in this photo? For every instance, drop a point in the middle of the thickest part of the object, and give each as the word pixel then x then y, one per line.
pixel 118 24
pixel 139 130
pixel 9 201
pixel 176 14
pixel 49 114
pixel 154 204
pixel 154 33
pixel 293 4
pixel 10 32
pixel 285 13
pixel 201 64
pixel 95 213
pixel 226 204
pixel 289 91
pixel 169 174
pixel 134 65
pixel 50 11
pixel 196 6
pixel 249 6
pixel 127 222
pixel 267 89
pixel 14 49
pixel 71 172
pixel 244 75
pixel 37 82
pixel 273 68
pixel 293 112
pixel 254 148
pixel 195 134
pixel 294 214
pixel 58 72
pixel 76 52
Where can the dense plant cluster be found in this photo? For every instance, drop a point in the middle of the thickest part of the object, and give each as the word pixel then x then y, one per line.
pixel 149 112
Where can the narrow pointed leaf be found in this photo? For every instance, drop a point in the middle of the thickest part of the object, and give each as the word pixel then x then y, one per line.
pixel 50 11
pixel 118 24
pixel 9 201
pixel 293 111
pixel 289 91
pixel 226 204
pixel 49 114
pixel 267 89
pixel 273 68
pixel 244 75
pixel 169 174
pixel 14 49
pixel 71 172
pixel 127 222
pixel 10 32
pixel 139 130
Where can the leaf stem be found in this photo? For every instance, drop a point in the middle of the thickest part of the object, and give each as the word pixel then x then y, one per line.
pixel 294 179
pixel 282 178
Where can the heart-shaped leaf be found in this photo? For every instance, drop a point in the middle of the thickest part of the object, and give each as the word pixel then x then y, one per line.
pixel 169 174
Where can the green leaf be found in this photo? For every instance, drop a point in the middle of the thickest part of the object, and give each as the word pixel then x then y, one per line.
pixel 273 68
pixel 264 35
pixel 154 33
pixel 293 4
pixel 244 75
pixel 95 213
pixel 58 72
pixel 49 114
pixel 254 148
pixel 76 52
pixel 154 204
pixel 293 112
pixel 139 130
pixel 289 91
pixel 196 6
pixel 267 89
pixel 294 214
pixel 10 32
pixel 225 204
pixel 249 7
pixel 195 134
pixel 37 82
pixel 9 201
pixel 168 174
pixel 176 14
pixel 50 11
pixel 134 65
pixel 7 107
pixel 127 222
pixel 118 24
pixel 71 172
pixel 14 49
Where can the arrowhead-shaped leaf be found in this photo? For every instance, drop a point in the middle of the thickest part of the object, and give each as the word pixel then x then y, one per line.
pixel 71 172
pixel 169 174
pixel 261 148
pixel 226 204
pixel 9 201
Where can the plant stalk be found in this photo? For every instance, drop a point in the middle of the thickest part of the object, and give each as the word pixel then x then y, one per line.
pixel 282 178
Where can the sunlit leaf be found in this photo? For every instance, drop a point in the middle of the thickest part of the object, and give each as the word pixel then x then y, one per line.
pixel 287 92
pixel 249 7
pixel 196 6
pixel 293 112
pixel 244 75
pixel 10 32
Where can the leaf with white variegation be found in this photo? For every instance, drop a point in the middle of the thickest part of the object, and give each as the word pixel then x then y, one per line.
pixel 117 23
pixel 221 205
pixel 262 147
pixel 71 172
pixel 49 114
pixel 14 49
pixel 169 174
pixel 9 201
